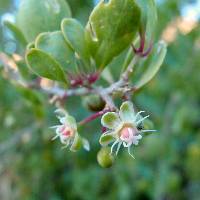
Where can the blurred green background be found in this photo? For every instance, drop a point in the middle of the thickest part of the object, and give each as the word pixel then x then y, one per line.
pixel 167 164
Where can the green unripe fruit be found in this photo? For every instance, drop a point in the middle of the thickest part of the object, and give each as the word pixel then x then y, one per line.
pixel 37 16
pixel 94 103
pixel 104 157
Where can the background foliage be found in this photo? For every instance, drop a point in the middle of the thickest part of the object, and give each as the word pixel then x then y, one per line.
pixel 167 162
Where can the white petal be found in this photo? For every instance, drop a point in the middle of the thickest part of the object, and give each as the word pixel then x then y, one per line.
pixel 127 144
pixel 124 144
pixel 136 142
pixel 65 140
pixel 138 137
pixel 62 120
pixel 86 144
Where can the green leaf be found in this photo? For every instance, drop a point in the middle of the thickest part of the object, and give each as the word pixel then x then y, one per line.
pixel 111 28
pixel 30 95
pixel 74 34
pixel 110 120
pixel 37 16
pixel 148 19
pixel 24 70
pixel 44 65
pixel 106 139
pixel 55 45
pixel 30 45
pixel 17 34
pixel 154 62
pixel 34 100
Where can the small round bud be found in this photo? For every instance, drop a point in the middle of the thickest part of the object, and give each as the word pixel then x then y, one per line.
pixel 104 157
pixel 94 103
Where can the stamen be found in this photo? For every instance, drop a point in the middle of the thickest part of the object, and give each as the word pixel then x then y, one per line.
pixel 142 119
pixel 113 146
pixel 55 137
pixel 64 147
pixel 130 152
pixel 144 131
pixel 52 127
pixel 118 147
pixel 139 114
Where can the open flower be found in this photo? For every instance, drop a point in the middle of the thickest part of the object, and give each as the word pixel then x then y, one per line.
pixel 67 132
pixel 123 127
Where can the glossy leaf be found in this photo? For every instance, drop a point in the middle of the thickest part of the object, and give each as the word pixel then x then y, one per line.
pixel 30 46
pixel 74 34
pixel 36 16
pixel 111 28
pixel 55 45
pixel 44 65
pixel 148 19
pixel 34 100
pixel 154 62
pixel 31 95
pixel 24 70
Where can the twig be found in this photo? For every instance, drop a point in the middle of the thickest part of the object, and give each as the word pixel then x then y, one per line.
pixel 67 93
pixel 105 93
pixel 93 117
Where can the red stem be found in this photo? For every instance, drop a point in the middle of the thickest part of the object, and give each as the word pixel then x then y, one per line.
pixel 93 117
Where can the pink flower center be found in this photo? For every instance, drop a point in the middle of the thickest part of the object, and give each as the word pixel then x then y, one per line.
pixel 127 134
pixel 66 131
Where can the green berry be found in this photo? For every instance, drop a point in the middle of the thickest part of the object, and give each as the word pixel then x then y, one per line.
pixel 104 157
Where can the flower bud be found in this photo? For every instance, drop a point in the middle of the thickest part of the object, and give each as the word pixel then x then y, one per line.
pixel 94 103
pixel 104 157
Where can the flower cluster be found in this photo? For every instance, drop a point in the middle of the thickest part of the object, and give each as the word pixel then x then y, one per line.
pixel 67 132
pixel 123 127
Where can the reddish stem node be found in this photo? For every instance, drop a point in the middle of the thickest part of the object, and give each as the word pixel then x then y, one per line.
pixel 140 51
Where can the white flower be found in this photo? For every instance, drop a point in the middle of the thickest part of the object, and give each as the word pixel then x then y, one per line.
pixel 67 132
pixel 123 127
